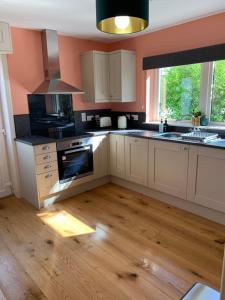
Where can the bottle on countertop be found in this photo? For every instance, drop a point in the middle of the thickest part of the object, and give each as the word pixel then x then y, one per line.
pixel 165 126
pixel 161 126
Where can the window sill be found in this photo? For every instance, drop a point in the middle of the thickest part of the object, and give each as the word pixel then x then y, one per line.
pixel 189 124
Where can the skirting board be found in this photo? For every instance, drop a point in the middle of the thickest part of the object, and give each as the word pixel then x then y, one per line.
pixel 76 190
pixel 194 208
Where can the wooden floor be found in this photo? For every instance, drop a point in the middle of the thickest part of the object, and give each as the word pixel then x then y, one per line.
pixel 140 248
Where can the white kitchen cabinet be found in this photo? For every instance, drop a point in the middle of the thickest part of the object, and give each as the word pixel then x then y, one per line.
pixel 168 167
pixel 95 76
pixel 109 76
pixel 115 76
pixel 46 183
pixel 117 155
pixel 5 38
pixel 101 156
pixel 38 171
pixel 122 76
pixel 206 177
pixel 136 158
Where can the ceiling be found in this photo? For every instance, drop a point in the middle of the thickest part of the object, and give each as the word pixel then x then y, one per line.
pixel 77 17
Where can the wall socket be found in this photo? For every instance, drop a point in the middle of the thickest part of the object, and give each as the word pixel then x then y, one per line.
pixel 90 118
pixel 135 117
pixel 83 117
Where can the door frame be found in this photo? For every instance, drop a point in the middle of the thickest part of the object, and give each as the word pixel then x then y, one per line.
pixel 8 120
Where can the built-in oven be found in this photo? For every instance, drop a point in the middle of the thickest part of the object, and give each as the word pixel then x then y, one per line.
pixel 75 159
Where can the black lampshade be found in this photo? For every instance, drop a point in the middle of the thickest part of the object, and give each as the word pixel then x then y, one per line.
pixel 122 17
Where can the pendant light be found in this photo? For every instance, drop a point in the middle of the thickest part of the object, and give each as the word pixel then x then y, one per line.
pixel 122 16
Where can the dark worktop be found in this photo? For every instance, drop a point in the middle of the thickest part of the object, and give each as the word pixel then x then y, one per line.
pixel 38 140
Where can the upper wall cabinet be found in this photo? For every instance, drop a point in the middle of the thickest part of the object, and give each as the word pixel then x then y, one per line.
pixel 95 76
pixel 122 75
pixel 5 38
pixel 109 77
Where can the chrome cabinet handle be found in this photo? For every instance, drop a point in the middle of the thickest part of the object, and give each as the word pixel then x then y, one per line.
pixel 46 157
pixel 48 175
pixel 45 148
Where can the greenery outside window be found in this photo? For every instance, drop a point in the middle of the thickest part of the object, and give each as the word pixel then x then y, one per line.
pixel 180 90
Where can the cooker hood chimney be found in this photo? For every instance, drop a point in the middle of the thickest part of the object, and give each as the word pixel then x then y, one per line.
pixel 53 83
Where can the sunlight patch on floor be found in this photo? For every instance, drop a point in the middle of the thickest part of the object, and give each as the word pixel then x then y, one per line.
pixel 65 224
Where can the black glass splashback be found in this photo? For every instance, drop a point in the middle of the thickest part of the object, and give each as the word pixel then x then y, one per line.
pixel 51 114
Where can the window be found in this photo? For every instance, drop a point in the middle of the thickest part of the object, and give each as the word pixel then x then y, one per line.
pixel 181 90
pixel 218 92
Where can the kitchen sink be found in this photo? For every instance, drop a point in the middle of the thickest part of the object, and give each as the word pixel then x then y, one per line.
pixel 170 135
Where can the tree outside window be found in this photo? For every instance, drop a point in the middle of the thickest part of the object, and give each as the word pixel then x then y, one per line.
pixel 181 91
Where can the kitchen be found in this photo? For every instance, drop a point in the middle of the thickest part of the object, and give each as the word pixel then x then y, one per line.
pixel 89 166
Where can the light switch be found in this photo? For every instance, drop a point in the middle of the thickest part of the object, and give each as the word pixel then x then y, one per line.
pixel 135 117
pixel 83 117
pixel 90 118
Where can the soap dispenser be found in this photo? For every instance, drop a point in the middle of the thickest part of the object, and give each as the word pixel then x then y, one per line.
pixel 161 126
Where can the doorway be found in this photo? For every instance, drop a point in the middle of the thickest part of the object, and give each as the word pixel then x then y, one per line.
pixel 5 182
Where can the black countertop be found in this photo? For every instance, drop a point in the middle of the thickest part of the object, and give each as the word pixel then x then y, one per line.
pixel 39 140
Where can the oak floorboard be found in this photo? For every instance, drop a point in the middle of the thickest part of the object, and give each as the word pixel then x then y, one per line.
pixel 140 249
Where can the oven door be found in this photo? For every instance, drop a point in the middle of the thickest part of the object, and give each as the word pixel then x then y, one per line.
pixel 75 163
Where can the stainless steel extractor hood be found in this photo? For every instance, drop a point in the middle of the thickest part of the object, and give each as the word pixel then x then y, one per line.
pixel 53 83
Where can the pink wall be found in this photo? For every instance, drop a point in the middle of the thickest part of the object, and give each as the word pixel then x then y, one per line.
pixel 26 67
pixel 200 33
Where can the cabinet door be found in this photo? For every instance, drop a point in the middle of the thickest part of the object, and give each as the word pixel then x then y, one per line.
pixel 115 76
pixel 136 157
pixel 206 177
pixel 168 168
pixel 101 156
pixel 47 183
pixel 101 80
pixel 5 38
pixel 128 76
pixel 117 155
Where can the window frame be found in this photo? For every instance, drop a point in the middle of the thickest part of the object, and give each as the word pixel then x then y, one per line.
pixel 205 101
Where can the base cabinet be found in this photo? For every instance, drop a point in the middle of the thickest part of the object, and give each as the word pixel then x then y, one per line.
pixel 168 168
pixel 117 155
pixel 207 177
pixel 136 159
pixel 101 156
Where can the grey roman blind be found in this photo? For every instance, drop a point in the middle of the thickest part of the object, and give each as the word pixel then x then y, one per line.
pixel 198 55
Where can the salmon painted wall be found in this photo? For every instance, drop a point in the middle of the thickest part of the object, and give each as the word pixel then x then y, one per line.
pixel 195 34
pixel 26 66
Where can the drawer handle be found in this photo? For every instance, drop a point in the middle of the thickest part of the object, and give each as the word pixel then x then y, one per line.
pixel 45 148
pixel 46 157
pixel 49 175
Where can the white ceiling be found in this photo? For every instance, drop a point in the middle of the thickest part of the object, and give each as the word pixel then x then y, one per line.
pixel 77 17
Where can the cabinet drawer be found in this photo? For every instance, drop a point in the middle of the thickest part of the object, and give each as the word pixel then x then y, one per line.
pixel 46 183
pixel 41 149
pixel 46 158
pixel 47 167
pixel 139 141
